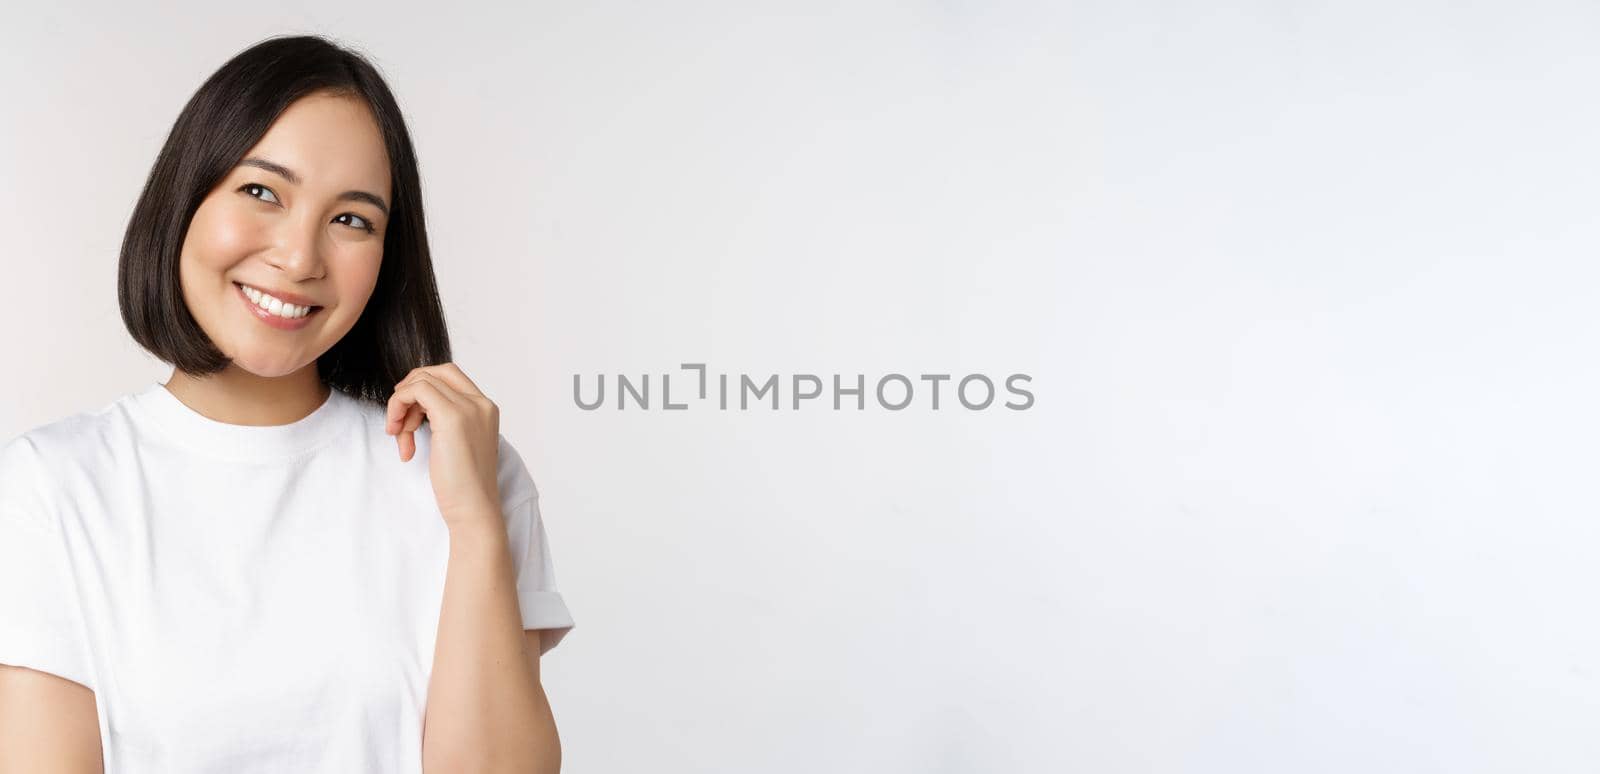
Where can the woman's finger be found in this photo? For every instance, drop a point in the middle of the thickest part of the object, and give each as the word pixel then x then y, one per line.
pixel 447 373
pixel 401 401
pixel 452 375
pixel 413 402
pixel 413 420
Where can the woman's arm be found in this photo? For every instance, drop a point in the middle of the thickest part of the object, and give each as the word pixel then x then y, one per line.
pixel 486 709
pixel 47 724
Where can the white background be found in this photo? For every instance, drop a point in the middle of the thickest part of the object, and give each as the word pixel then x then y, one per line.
pixel 1307 291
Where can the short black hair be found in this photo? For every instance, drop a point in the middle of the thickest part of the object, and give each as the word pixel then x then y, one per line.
pixel 402 326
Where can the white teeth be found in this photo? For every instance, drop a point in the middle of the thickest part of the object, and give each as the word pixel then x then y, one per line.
pixel 274 305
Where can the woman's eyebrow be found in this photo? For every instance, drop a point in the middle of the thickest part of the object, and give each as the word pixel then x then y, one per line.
pixel 289 175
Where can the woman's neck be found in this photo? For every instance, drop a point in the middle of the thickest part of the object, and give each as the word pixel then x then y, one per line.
pixel 238 397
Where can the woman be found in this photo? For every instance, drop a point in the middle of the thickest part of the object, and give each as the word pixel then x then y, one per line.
pixel 310 549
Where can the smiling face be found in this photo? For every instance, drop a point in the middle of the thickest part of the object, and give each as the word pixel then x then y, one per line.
pixel 302 216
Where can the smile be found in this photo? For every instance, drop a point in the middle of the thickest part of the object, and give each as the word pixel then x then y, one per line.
pixel 275 312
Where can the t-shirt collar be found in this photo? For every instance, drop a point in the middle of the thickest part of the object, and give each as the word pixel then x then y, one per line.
pixel 177 420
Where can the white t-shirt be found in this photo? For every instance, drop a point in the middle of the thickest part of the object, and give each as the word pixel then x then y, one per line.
pixel 241 598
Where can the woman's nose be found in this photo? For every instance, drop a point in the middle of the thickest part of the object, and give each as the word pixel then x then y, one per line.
pixel 299 253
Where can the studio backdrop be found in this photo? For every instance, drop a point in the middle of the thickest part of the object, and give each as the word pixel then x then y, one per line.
pixel 967 386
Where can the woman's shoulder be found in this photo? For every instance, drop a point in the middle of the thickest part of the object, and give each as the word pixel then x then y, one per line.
pixel 31 459
pixel 68 439
pixel 516 483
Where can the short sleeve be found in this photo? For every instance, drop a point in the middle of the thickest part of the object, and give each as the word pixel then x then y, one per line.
pixel 541 603
pixel 40 624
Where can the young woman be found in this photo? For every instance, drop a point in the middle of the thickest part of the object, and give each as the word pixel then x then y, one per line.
pixel 310 549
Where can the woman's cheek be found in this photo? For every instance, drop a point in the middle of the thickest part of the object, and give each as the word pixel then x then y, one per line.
pixel 358 270
pixel 224 236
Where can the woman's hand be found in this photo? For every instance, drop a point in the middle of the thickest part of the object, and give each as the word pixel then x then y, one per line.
pixel 464 453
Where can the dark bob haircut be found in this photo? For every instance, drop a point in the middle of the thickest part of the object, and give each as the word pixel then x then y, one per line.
pixel 402 326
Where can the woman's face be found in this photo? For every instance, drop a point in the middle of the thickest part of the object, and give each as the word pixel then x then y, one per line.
pixel 301 218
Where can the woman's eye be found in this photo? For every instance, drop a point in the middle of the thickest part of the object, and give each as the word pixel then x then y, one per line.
pixel 259 191
pixel 364 224
pixel 250 189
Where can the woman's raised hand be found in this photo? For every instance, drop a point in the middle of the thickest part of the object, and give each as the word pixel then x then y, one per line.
pixel 464 451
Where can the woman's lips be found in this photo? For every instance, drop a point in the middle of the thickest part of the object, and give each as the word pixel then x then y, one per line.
pixel 281 323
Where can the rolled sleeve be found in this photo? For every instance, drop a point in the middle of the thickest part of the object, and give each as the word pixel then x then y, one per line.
pixel 541 603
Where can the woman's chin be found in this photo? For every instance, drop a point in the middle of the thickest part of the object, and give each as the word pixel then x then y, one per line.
pixel 267 367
